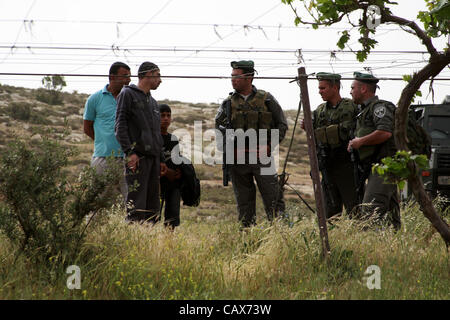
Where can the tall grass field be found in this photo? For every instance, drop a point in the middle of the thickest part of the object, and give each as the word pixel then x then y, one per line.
pixel 209 257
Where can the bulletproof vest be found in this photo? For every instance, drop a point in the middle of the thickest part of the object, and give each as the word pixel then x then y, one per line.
pixel 365 125
pixel 251 113
pixel 334 126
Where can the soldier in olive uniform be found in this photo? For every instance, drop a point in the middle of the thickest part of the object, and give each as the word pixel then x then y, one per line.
pixel 374 140
pixel 253 109
pixel 334 123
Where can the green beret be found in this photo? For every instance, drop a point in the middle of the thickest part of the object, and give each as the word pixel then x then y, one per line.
pixel 328 76
pixel 246 65
pixel 365 77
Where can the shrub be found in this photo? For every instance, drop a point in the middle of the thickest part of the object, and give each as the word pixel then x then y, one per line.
pixel 42 212
pixel 52 97
pixel 20 111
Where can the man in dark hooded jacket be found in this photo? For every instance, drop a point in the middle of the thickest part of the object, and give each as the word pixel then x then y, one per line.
pixel 137 129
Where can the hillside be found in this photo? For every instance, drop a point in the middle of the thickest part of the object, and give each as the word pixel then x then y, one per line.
pixel 23 115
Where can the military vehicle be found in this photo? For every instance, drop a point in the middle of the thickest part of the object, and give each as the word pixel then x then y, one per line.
pixel 435 119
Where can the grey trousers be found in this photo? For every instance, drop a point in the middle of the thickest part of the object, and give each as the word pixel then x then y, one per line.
pixel 242 176
pixel 143 190
pixel 99 163
pixel 381 201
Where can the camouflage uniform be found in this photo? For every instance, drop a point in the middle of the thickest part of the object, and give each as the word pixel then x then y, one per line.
pixel 379 197
pixel 333 127
pixel 259 111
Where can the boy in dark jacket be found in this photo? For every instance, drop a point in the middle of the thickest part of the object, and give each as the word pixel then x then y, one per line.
pixel 170 180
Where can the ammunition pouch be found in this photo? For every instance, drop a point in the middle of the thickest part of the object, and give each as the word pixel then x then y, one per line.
pixel 328 135
pixel 265 120
pixel 333 134
pixel 238 120
pixel 252 120
pixel 321 136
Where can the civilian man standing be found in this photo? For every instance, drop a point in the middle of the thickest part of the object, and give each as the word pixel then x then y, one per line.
pixel 138 131
pixel 99 117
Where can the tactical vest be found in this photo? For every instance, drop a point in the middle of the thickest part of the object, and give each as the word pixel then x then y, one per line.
pixel 364 126
pixel 251 113
pixel 334 126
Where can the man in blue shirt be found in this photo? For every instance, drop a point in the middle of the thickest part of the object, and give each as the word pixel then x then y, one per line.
pixel 99 118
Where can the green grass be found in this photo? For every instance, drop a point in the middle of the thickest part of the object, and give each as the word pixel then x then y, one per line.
pixel 207 257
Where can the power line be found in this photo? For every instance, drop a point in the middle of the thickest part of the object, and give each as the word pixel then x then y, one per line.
pixel 189 76
pixel 221 38
pixel 19 32
pixel 205 49
pixel 182 24
pixel 130 36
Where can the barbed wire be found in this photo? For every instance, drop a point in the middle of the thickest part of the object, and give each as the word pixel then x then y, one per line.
pixel 311 76
pixel 182 24
pixel 203 49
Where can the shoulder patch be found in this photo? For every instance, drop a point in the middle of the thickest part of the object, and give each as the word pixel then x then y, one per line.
pixel 379 111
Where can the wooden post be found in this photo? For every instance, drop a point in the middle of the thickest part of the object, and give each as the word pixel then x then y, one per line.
pixel 318 192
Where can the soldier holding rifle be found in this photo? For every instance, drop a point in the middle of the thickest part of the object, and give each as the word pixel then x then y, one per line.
pixel 334 123
pixel 374 140
pixel 249 111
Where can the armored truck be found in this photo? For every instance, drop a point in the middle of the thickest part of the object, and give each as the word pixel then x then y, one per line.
pixel 435 119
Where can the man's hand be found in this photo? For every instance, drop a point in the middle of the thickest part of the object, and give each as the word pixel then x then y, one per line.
pixel 177 173
pixel 164 169
pixel 173 174
pixel 374 138
pixel 354 144
pixel 133 162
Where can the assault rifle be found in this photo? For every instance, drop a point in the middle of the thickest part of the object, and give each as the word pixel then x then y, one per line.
pixel 223 130
pixel 360 172
pixel 322 155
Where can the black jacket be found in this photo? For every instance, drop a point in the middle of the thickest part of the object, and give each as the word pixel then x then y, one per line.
pixel 138 123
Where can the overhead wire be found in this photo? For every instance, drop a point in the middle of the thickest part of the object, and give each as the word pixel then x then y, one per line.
pixel 19 32
pixel 187 76
pixel 206 49
pixel 183 24
pixel 229 34
pixel 129 37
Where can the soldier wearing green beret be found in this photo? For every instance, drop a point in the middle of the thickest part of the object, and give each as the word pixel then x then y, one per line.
pixel 374 140
pixel 253 110
pixel 334 123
